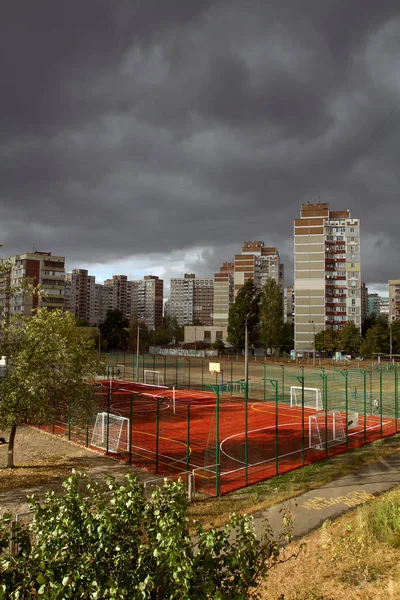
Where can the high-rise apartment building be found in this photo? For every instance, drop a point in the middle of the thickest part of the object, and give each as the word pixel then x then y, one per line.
pixel 327 272
pixel 42 269
pixel 80 296
pixel 147 301
pixel 394 300
pixel 289 304
pixel 258 263
pixel 223 293
pixel 374 304
pixel 120 295
pixel 191 299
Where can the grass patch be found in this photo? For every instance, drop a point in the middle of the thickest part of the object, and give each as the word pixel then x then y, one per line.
pixel 380 521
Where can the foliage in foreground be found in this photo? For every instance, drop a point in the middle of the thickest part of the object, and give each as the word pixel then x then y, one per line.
pixel 48 360
pixel 121 545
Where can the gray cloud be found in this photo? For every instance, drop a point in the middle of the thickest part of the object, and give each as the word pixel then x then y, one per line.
pixel 144 131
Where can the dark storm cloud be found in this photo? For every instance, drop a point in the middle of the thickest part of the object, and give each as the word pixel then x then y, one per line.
pixel 157 129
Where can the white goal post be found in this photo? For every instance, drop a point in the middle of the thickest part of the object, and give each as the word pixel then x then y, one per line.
pixel 117 428
pixel 312 397
pixel 153 377
pixel 115 371
pixel 330 428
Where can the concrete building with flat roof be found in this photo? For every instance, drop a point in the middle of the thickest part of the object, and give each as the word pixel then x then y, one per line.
pixel 327 272
pixel 41 269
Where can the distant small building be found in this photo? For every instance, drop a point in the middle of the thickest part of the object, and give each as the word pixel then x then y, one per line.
pixel 205 333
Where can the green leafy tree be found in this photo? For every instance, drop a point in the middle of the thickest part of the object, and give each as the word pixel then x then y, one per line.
pixel 271 315
pixel 115 330
pixel 396 337
pixel 175 330
pixel 160 337
pixel 144 336
pixel 350 338
pixel 376 341
pixel 287 337
pixel 48 360
pixel 245 307
pixel 327 341
pixel 118 545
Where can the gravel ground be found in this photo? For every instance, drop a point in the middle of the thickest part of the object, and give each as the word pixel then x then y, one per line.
pixel 43 461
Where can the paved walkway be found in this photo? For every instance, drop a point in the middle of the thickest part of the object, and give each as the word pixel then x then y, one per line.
pixel 311 509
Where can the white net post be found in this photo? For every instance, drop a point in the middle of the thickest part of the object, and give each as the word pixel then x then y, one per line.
pixel 312 397
pixel 153 377
pixel 116 427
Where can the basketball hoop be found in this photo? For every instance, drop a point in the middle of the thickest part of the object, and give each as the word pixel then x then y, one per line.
pixel 214 368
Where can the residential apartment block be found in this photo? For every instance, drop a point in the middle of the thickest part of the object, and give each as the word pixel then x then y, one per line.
pixel 223 294
pixel 394 300
pixel 42 269
pixel 374 304
pixel 258 263
pixel 327 272
pixel 147 301
pixel 80 296
pixel 191 299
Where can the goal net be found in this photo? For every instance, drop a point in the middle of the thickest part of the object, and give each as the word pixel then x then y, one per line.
pixel 330 428
pixel 153 377
pixel 115 371
pixel 326 428
pixel 117 428
pixel 312 397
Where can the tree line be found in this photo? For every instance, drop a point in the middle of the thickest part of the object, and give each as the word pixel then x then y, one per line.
pixel 262 311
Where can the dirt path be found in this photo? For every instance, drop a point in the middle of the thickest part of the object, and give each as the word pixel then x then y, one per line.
pixel 43 461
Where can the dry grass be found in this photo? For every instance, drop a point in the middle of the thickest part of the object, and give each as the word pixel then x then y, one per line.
pixel 337 562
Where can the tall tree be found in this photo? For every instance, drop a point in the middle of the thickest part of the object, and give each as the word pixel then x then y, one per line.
pixel 376 341
pixel 350 338
pixel 245 308
pixel 48 360
pixel 115 330
pixel 271 315
pixel 327 341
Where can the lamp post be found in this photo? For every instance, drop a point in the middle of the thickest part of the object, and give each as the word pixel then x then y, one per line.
pixel 313 326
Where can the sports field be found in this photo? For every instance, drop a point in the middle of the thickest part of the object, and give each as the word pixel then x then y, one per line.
pixel 227 443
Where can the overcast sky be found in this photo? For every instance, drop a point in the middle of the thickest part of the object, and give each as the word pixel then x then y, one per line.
pixel 155 136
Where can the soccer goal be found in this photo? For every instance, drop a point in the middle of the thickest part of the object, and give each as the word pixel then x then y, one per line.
pixel 117 428
pixel 153 377
pixel 115 371
pixel 312 397
pixel 326 428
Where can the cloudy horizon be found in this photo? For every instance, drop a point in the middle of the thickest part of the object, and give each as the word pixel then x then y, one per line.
pixel 144 137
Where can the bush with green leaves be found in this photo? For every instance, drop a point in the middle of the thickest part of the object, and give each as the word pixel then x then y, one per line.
pixel 110 542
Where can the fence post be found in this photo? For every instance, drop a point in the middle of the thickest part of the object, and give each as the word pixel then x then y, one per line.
pixel 265 381
pixel 345 374
pixel 108 415
pixel 324 378
pixel 188 440
pixel 217 482
pixel 380 400
pixel 157 430
pixel 283 383
pixel 275 385
pixel 130 426
pixel 396 397
pixel 300 379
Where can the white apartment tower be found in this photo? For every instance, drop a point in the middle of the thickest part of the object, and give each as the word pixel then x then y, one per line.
pixel 191 299
pixel 327 272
